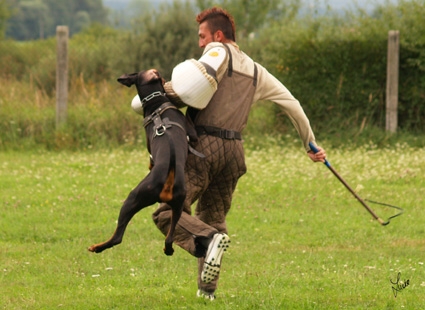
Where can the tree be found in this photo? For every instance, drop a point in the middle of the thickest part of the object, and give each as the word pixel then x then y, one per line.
pixel 82 20
pixel 250 15
pixel 28 20
pixel 4 15
pixel 77 14
pixel 33 19
pixel 161 39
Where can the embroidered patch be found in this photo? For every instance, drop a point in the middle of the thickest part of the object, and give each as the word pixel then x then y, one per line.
pixel 214 57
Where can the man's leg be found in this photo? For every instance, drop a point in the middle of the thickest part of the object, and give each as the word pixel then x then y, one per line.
pixel 215 202
pixel 191 234
pixel 224 163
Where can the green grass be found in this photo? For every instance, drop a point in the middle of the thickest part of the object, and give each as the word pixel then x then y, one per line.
pixel 299 239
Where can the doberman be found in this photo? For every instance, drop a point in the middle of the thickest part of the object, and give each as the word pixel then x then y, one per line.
pixel 166 133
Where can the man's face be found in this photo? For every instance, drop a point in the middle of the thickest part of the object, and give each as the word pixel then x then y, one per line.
pixel 204 34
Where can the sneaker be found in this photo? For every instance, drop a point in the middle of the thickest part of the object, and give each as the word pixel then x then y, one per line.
pixel 206 295
pixel 216 248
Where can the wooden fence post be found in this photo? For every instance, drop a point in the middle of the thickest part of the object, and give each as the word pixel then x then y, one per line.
pixel 392 81
pixel 61 75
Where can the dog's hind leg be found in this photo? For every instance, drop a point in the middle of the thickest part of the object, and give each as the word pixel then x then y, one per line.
pixel 177 208
pixel 138 199
pixel 179 195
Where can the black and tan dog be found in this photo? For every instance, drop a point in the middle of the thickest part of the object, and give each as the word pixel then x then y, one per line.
pixel 166 134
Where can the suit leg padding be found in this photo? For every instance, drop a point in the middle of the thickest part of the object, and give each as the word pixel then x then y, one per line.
pixel 187 230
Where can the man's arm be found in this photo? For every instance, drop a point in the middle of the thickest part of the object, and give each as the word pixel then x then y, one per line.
pixel 270 88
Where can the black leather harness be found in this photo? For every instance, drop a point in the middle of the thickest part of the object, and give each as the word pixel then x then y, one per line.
pixel 162 124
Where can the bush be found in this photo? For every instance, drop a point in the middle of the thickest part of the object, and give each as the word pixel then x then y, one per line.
pixel 335 66
pixel 99 116
pixel 32 61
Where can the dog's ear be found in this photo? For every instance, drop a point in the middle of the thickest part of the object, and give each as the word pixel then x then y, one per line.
pixel 128 79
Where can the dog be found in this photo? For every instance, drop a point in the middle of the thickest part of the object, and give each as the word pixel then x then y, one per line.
pixel 167 130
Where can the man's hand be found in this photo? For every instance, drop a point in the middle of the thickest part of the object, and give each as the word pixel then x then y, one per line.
pixel 319 156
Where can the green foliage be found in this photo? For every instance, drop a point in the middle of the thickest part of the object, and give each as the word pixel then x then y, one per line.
pixel 336 66
pixel 99 116
pixel 93 52
pixel 35 19
pixel 251 15
pixel 32 62
pixel 4 15
pixel 162 38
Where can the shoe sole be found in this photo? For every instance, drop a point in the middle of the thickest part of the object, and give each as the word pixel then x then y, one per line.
pixel 205 295
pixel 218 246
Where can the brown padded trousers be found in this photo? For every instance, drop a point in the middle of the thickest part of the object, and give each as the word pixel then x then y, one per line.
pixel 211 181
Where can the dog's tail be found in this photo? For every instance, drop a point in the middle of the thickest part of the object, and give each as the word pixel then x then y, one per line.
pixel 167 191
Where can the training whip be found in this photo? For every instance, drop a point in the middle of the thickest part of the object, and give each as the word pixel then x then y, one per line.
pixel 381 221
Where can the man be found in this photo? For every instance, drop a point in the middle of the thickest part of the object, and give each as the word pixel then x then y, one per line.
pixel 212 180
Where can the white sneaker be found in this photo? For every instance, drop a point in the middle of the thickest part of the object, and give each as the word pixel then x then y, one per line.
pixel 206 295
pixel 216 248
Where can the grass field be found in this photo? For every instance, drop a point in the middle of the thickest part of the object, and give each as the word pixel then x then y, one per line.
pixel 299 239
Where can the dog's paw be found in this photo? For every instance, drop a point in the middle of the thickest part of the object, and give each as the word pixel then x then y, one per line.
pixel 94 248
pixel 168 250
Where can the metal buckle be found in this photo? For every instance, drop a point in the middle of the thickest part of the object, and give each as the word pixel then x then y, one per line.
pixel 230 135
pixel 160 130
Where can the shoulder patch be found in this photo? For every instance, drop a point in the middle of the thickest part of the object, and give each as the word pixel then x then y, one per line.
pixel 214 57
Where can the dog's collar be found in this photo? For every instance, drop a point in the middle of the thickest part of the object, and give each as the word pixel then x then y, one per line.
pixel 151 96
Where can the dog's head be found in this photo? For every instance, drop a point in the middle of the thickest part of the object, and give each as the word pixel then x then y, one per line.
pixel 150 78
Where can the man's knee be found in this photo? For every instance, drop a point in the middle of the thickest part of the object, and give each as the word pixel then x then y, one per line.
pixel 162 218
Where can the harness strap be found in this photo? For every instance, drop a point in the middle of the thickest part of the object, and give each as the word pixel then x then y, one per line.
pixel 230 66
pixel 230 63
pixel 195 152
pixel 165 106
pixel 255 75
pixel 161 125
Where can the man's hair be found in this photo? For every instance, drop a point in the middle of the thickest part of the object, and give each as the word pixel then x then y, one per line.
pixel 218 19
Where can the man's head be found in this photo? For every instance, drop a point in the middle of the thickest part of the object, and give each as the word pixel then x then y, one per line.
pixel 215 25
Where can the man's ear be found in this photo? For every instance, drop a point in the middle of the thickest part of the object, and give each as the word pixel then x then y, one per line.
pixel 219 36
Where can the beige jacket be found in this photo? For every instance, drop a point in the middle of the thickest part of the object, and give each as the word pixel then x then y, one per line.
pixel 230 105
